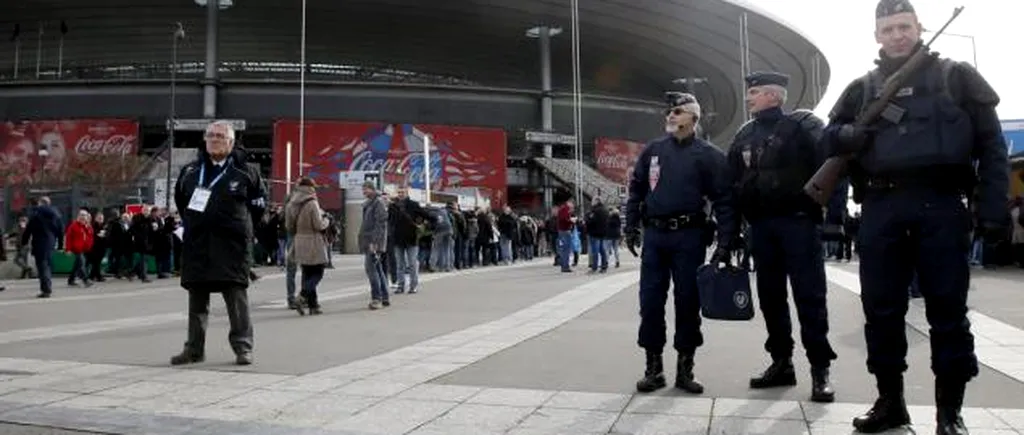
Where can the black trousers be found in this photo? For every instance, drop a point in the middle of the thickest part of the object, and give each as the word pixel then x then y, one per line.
pixel 236 301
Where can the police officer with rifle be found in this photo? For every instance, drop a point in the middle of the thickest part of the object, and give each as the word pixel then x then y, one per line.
pixel 771 158
pixel 912 131
pixel 674 178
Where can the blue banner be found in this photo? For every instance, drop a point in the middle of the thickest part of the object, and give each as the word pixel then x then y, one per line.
pixel 1013 131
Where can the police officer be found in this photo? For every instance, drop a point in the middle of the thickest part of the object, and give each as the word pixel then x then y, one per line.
pixel 673 179
pixel 771 158
pixel 912 171
pixel 220 199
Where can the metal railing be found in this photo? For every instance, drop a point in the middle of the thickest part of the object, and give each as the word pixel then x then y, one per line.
pixel 592 183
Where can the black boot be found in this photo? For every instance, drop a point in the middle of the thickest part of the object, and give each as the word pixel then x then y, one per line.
pixel 779 374
pixel 684 376
pixel 187 357
pixel 821 386
pixel 949 399
pixel 889 411
pixel 654 375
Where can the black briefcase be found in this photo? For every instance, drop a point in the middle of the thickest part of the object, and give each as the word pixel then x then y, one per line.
pixel 725 293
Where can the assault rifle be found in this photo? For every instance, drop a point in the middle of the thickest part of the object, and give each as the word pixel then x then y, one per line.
pixel 824 182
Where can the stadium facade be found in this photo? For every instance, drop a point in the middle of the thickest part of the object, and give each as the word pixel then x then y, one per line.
pixel 476 75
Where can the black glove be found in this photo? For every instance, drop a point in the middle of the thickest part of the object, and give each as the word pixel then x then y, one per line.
pixel 721 255
pixel 632 240
pixel 739 243
pixel 852 138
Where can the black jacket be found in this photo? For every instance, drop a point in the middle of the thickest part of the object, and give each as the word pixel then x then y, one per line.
pixel 217 242
pixel 404 214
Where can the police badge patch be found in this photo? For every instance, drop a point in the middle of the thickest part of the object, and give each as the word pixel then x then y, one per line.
pixel 653 173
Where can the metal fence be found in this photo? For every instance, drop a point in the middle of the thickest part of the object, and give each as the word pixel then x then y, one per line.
pixel 16 199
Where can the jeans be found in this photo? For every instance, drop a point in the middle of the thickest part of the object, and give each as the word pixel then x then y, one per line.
pixel 611 249
pixel 598 256
pixel 44 271
pixel 564 249
pixel 311 276
pixel 375 273
pixel 505 245
pixel 407 262
pixel 290 270
pixel 78 269
pixel 441 253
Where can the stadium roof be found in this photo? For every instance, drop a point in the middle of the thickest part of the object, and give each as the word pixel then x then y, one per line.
pixel 629 48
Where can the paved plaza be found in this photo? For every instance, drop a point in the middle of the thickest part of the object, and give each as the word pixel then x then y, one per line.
pixel 517 350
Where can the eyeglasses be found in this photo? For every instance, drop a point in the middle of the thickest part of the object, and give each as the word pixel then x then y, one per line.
pixel 674 111
pixel 212 135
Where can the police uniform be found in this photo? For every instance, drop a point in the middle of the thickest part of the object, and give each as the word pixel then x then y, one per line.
pixel 913 168
pixel 771 158
pixel 671 183
pixel 219 202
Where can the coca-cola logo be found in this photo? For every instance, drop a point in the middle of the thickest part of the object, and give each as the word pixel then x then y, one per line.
pixel 113 144
pixel 367 161
pixel 614 161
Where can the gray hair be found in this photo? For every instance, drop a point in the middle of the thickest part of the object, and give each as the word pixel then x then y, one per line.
pixel 779 92
pixel 220 123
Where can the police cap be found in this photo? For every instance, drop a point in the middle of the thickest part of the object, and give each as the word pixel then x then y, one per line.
pixel 764 78
pixel 684 100
pixel 892 7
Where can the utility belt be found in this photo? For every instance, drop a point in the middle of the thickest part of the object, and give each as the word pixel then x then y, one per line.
pixel 696 220
pixel 947 184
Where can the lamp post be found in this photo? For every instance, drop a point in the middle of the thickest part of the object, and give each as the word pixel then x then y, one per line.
pixel 179 33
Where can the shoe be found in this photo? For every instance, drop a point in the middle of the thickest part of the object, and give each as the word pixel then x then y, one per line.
pixel 375 305
pixel 244 358
pixel 684 376
pixel 187 357
pixel 779 374
pixel 949 399
pixel 821 386
pixel 654 374
pixel 889 411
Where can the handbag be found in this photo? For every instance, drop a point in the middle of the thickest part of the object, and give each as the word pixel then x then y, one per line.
pixel 725 293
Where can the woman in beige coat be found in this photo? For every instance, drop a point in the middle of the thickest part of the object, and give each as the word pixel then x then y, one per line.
pixel 305 223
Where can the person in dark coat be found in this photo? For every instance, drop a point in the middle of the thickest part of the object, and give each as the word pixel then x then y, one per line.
pixel 46 230
pixel 141 228
pixel 220 199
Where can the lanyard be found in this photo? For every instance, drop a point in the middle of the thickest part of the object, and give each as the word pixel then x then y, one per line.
pixel 202 174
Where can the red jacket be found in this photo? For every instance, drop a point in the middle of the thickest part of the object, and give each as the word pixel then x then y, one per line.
pixel 78 238
pixel 564 221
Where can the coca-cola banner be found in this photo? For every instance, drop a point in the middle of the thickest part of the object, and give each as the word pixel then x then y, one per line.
pixel 27 147
pixel 459 157
pixel 616 158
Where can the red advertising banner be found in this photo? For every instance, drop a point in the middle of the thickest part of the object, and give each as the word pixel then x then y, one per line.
pixel 616 158
pixel 30 146
pixel 459 156
pixel 30 150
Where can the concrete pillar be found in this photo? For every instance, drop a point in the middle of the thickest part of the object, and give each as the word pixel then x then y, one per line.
pixel 212 60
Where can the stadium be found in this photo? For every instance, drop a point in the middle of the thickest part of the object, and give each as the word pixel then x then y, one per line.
pixel 101 78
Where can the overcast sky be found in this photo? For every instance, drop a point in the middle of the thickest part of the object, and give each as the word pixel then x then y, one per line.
pixel 843 30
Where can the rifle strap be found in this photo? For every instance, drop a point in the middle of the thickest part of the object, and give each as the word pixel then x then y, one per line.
pixel 873 82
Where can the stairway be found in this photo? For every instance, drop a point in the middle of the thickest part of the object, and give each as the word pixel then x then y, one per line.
pixel 593 184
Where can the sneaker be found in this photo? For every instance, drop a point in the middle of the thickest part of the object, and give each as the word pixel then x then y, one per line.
pixel 375 305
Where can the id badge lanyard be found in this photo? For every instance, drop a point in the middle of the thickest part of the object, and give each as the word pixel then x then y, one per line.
pixel 202 175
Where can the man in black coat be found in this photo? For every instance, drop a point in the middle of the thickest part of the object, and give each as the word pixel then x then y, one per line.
pixel 220 199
